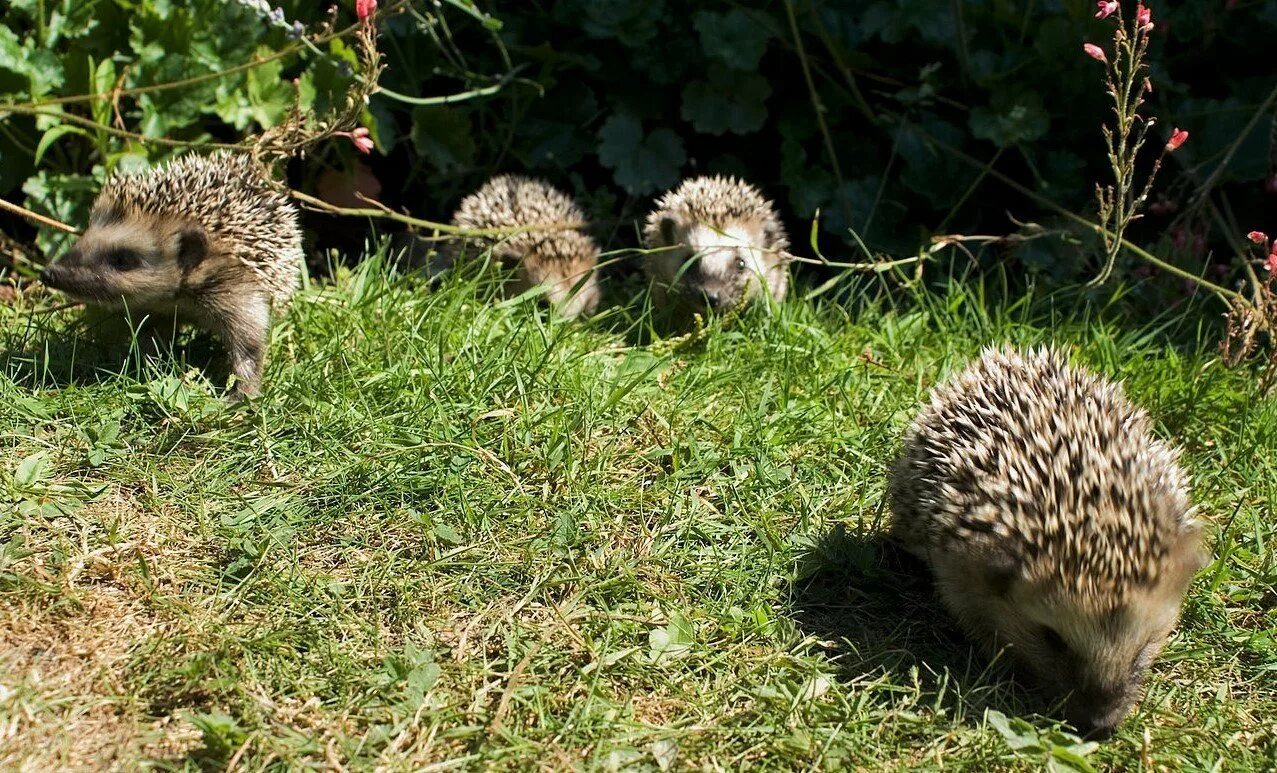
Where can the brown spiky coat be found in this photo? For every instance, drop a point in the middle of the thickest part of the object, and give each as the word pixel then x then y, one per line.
pixel 1054 519
pixel 547 244
pixel 206 240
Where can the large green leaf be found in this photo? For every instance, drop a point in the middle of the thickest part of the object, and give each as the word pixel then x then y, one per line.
pixel 729 101
pixel 641 164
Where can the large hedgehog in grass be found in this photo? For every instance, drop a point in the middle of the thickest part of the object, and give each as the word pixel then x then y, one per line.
pixel 715 242
pixel 1055 522
pixel 205 240
pixel 539 231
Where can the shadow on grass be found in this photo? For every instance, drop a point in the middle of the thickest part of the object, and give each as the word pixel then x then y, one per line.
pixel 87 352
pixel 874 610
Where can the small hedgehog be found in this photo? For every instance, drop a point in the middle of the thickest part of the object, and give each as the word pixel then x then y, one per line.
pixel 553 252
pixel 716 243
pixel 204 240
pixel 1055 524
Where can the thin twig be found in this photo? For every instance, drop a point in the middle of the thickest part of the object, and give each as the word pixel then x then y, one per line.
pixel 380 210
pixel 37 217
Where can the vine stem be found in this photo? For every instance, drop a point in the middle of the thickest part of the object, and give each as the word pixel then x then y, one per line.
pixel 196 79
pixel 1095 227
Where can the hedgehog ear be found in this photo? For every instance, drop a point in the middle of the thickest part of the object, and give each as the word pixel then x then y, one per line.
pixel 1189 552
pixel 1001 570
pixel 772 234
pixel 667 226
pixel 192 247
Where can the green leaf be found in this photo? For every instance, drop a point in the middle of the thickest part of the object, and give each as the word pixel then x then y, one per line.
pixel 1011 118
pixel 445 533
pixel 633 24
pixel 444 136
pixel 640 165
pixel 32 470
pixel 671 641
pixel 1068 760
pixel 52 136
pixel 1018 734
pixel 39 66
pixel 729 101
pixel 65 197
pixel 735 38
pixel 103 82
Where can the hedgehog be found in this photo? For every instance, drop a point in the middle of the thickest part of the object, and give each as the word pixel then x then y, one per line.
pixel 202 240
pixel 1054 522
pixel 715 242
pixel 552 251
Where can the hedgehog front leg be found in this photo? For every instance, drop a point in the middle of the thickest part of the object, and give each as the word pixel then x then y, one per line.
pixel 243 325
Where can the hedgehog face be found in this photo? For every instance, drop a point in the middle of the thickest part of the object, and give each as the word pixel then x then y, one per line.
pixel 714 268
pixel 121 260
pixel 1091 659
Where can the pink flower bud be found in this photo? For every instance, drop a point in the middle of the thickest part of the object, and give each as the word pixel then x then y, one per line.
pixel 1258 237
pixel 1144 17
pixel 365 8
pixel 1271 263
pixel 1178 137
pixel 1095 52
pixel 1105 9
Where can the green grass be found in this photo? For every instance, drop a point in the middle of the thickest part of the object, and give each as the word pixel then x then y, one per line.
pixel 455 530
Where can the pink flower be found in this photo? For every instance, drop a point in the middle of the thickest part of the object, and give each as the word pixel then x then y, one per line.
pixel 1105 9
pixel 1095 52
pixel 1271 263
pixel 364 9
pixel 363 143
pixel 1178 137
pixel 1258 237
pixel 1144 17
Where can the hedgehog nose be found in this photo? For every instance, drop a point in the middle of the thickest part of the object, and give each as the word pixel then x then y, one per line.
pixel 711 297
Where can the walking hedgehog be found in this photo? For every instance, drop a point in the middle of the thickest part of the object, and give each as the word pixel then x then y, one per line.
pixel 716 243
pixel 552 250
pixel 204 240
pixel 1055 524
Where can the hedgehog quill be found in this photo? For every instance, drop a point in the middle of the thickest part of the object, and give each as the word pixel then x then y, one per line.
pixel 1056 525
pixel 551 251
pixel 716 243
pixel 202 240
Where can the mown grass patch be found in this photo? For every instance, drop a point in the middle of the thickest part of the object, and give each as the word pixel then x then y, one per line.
pixel 454 530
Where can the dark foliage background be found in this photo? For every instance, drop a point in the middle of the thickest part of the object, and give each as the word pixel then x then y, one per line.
pixel 618 100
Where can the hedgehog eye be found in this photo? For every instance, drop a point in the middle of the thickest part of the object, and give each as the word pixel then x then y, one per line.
pixel 1054 640
pixel 123 259
pixel 740 264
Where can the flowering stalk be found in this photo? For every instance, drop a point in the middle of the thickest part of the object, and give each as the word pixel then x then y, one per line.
pixel 1127 82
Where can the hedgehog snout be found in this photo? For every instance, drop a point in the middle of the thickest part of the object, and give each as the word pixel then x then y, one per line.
pixel 1097 713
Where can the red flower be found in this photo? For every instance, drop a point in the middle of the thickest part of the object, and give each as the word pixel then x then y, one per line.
pixel 364 9
pixel 1258 237
pixel 1178 137
pixel 1095 52
pixel 1106 8
pixel 1144 17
